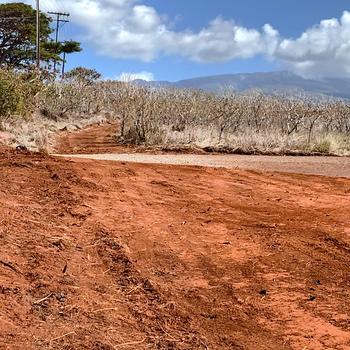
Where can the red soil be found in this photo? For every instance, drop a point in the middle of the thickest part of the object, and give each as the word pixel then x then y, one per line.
pixel 94 139
pixel 99 255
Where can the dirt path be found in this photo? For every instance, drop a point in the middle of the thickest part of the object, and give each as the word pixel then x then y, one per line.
pixel 134 256
pixel 99 143
pixel 94 139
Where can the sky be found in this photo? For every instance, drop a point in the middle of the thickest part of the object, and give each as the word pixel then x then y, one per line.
pixel 180 39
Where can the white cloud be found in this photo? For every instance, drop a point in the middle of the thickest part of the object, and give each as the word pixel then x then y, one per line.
pixel 221 41
pixel 128 77
pixel 130 29
pixel 323 50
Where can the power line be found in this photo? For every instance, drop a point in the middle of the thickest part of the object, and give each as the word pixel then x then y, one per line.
pixel 44 6
pixel 56 6
pixel 61 4
pixel 59 19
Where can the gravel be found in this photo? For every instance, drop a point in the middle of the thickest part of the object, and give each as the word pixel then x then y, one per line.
pixel 328 166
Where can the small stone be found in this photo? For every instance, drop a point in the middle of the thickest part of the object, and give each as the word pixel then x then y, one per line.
pixel 21 148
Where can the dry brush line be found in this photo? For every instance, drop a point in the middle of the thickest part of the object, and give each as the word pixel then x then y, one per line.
pixel 231 122
pixel 172 118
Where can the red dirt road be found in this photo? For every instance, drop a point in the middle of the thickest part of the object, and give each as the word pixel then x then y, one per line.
pixel 98 142
pixel 93 139
pixel 132 256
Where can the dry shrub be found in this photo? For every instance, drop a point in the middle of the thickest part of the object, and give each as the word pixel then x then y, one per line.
pixel 171 118
pixel 247 123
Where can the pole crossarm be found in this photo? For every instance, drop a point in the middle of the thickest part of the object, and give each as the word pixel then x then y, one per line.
pixel 58 20
pixel 59 13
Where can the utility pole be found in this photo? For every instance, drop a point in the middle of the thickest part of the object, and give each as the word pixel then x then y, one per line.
pixel 38 34
pixel 63 64
pixel 59 20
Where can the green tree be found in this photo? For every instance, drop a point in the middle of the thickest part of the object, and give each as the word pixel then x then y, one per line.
pixel 18 36
pixel 10 97
pixel 83 75
pixel 68 47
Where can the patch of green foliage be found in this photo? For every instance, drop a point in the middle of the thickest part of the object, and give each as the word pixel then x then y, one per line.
pixel 18 92
pixel 18 39
pixel 323 146
pixel 11 101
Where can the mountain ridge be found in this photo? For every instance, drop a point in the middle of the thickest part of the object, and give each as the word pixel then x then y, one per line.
pixel 268 82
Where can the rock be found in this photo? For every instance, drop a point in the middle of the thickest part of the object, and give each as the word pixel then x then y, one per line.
pixel 21 148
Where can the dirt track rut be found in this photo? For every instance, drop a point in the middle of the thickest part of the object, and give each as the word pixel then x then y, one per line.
pixel 110 255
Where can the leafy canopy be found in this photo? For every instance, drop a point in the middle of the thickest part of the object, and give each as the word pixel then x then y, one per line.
pixel 18 37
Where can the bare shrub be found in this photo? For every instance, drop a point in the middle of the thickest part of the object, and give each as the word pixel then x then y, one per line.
pixel 170 118
pixel 251 122
pixel 74 98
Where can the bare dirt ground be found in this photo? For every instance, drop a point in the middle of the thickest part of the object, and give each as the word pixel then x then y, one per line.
pixel 94 139
pixel 108 255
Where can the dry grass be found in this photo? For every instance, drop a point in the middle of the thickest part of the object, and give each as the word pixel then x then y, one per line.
pixel 38 133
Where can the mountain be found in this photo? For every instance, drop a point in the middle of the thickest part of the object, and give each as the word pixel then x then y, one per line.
pixel 270 82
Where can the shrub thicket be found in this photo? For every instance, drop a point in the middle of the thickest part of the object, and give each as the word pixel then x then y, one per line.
pixel 231 122
pixel 169 118
pixel 11 101
pixel 18 92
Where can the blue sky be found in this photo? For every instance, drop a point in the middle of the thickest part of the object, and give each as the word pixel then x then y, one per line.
pixel 178 39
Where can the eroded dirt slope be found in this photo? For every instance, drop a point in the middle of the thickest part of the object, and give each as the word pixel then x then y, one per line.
pixel 99 255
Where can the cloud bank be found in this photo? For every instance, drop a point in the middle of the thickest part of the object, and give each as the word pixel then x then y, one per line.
pixel 323 50
pixel 129 29
pixel 128 77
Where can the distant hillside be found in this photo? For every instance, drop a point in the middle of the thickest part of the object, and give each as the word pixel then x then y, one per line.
pixel 270 82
